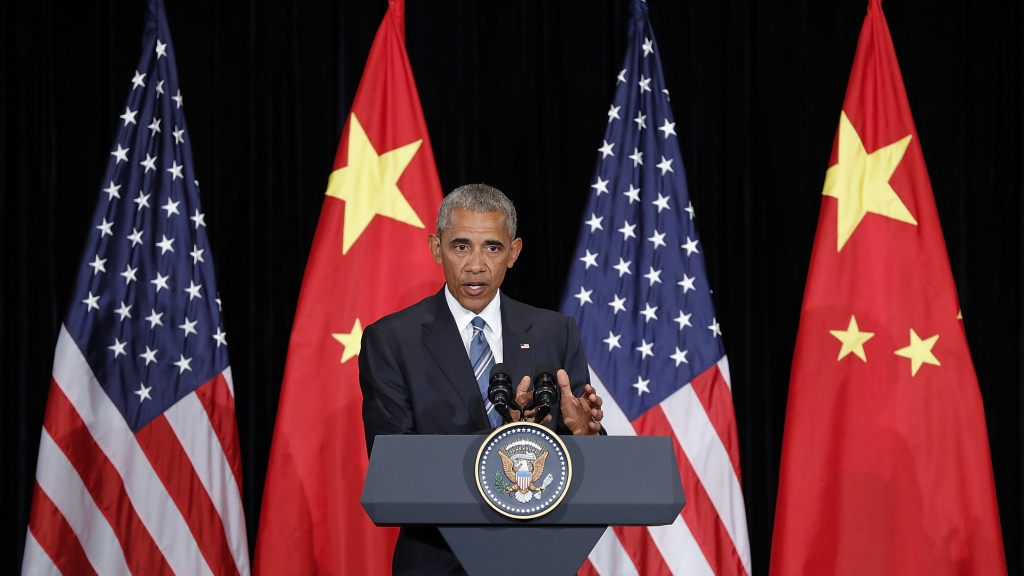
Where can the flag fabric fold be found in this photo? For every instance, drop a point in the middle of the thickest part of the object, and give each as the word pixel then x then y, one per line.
pixel 369 258
pixel 885 459
pixel 139 468
pixel 639 291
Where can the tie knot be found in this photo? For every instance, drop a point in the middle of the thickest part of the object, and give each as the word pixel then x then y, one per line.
pixel 478 323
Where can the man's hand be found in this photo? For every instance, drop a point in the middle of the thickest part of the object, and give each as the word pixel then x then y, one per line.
pixel 524 397
pixel 581 415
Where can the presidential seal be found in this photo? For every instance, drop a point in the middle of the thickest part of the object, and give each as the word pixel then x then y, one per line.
pixel 523 470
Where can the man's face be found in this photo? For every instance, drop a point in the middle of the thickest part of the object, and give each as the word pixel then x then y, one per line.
pixel 475 252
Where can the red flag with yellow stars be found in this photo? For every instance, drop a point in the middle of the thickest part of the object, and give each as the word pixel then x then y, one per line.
pixel 885 459
pixel 369 258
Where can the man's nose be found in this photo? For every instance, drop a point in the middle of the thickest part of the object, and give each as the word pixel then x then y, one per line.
pixel 476 261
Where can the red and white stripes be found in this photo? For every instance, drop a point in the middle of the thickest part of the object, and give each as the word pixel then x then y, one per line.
pixel 164 501
pixel 710 535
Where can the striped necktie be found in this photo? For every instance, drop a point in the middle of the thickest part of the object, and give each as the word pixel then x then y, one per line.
pixel 482 358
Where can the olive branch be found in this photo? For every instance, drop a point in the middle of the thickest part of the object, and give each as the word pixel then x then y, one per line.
pixel 501 483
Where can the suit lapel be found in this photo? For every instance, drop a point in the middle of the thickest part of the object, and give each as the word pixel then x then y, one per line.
pixel 442 339
pixel 518 350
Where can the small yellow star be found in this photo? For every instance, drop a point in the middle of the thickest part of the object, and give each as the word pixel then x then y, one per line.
pixel 860 182
pixel 853 340
pixel 369 184
pixel 351 341
pixel 959 314
pixel 919 352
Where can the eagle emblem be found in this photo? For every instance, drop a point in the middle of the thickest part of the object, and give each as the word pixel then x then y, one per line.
pixel 523 463
pixel 509 467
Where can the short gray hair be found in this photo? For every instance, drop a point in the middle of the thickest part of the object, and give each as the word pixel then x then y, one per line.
pixel 477 198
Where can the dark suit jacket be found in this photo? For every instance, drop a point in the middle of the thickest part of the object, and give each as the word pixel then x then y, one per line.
pixel 416 378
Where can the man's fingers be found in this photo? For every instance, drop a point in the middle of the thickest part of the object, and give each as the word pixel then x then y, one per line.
pixel 523 397
pixel 563 382
pixel 532 412
pixel 592 396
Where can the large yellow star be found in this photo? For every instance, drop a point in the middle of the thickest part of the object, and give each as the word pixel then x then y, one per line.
pixel 853 340
pixel 369 184
pixel 860 181
pixel 351 341
pixel 919 352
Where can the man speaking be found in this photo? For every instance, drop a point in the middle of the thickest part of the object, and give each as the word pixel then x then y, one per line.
pixel 424 369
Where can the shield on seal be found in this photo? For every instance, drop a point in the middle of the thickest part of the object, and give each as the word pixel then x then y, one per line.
pixel 523 477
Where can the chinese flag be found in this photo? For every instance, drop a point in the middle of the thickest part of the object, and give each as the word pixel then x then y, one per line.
pixel 369 258
pixel 885 459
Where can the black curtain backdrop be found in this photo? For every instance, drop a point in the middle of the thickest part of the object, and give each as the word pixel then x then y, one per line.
pixel 515 95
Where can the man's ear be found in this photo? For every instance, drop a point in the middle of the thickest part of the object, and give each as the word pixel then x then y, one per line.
pixel 435 247
pixel 516 248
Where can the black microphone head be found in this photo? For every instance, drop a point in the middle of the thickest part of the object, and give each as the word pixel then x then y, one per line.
pixel 499 369
pixel 500 392
pixel 544 368
pixel 545 386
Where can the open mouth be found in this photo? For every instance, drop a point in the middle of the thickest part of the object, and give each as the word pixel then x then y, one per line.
pixel 474 288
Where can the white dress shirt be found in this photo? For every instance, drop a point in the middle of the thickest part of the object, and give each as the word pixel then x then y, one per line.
pixel 492 323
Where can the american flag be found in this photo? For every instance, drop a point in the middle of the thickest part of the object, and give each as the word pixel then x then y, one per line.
pixel 640 294
pixel 139 469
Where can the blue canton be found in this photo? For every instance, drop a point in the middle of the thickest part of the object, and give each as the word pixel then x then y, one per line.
pixel 145 309
pixel 637 286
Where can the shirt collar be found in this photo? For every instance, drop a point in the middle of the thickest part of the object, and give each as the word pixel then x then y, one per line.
pixel 491 313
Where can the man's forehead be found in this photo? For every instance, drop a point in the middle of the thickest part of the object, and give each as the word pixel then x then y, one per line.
pixel 467 225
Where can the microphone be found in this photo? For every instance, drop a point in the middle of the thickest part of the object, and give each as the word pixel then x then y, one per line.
pixel 500 392
pixel 545 390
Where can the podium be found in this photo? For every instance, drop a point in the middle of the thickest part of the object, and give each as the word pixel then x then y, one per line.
pixel 429 480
